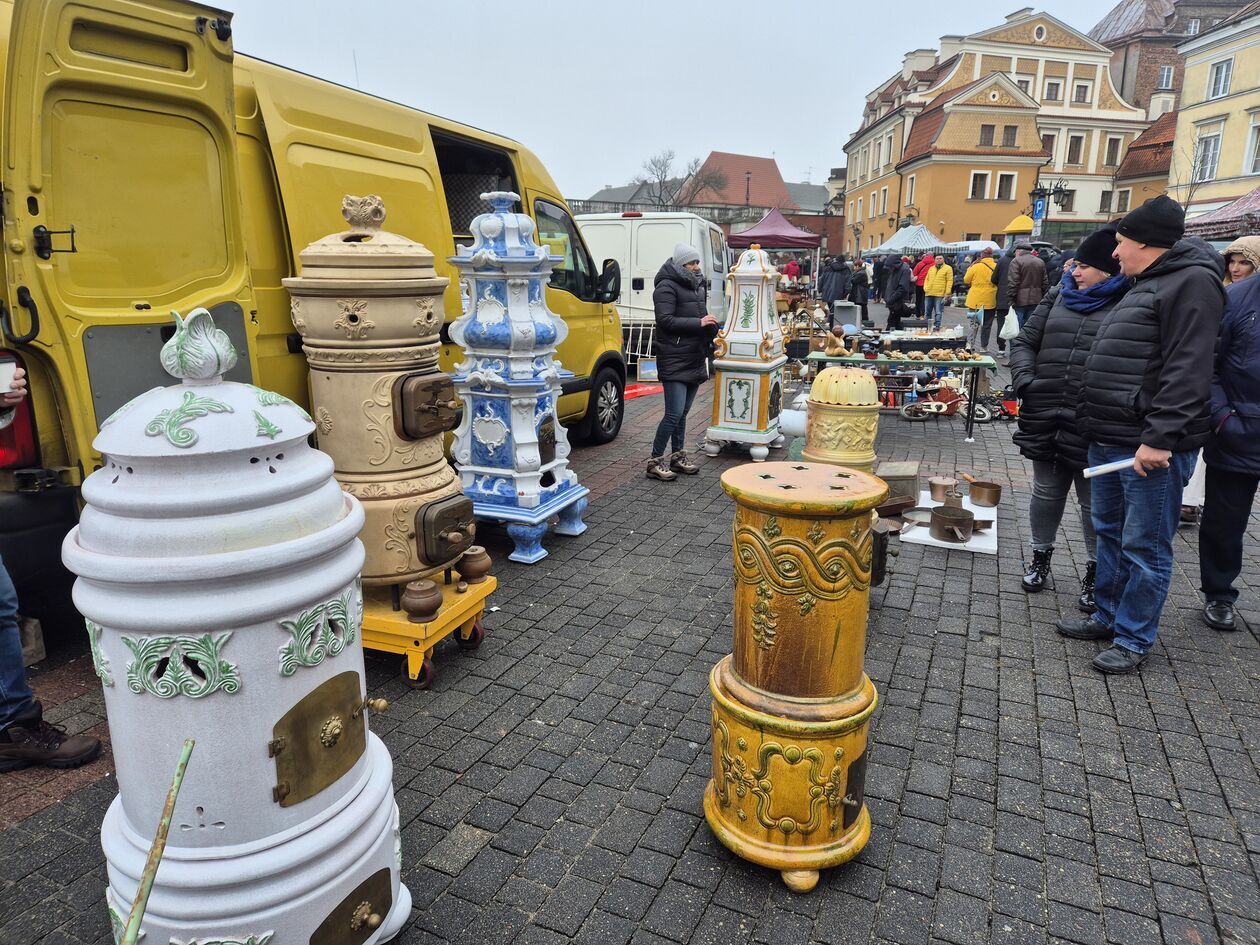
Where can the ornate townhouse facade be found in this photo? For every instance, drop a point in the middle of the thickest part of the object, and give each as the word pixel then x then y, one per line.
pixel 960 136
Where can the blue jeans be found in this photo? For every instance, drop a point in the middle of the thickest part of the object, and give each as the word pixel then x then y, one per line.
pixel 679 396
pixel 15 695
pixel 1135 519
pixel 1022 312
pixel 935 309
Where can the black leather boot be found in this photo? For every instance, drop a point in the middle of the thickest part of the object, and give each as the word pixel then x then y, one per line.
pixel 1086 601
pixel 1038 576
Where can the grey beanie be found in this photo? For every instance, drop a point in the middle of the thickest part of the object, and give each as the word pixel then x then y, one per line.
pixel 684 254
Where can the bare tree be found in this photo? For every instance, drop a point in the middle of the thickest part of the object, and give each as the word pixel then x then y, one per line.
pixel 662 187
pixel 697 180
pixel 1190 181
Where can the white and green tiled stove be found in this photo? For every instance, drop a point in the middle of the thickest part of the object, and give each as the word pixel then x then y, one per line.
pixel 748 386
pixel 218 570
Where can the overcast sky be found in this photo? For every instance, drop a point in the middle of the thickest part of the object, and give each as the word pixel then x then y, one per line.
pixel 594 87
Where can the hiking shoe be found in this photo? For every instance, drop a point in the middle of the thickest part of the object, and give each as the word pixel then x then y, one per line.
pixel 29 740
pixel 656 469
pixel 1038 575
pixel 1219 615
pixel 1086 629
pixel 1116 660
pixel 679 463
pixel 1086 601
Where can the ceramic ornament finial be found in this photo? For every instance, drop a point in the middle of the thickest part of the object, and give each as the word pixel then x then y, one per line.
pixel 197 351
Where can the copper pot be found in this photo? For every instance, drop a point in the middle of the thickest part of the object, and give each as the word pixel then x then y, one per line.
pixel 953 499
pixel 986 494
pixel 938 486
pixel 952 525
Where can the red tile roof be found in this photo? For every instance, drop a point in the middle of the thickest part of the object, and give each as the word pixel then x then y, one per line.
pixel 1150 153
pixel 765 188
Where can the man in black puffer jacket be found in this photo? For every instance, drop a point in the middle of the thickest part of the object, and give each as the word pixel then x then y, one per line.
pixel 684 338
pixel 1145 396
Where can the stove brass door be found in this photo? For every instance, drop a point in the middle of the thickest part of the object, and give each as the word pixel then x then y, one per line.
pixel 318 740
pixel 446 529
pixel 425 405
pixel 357 917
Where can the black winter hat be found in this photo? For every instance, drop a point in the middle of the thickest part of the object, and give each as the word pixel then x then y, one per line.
pixel 1096 249
pixel 1161 221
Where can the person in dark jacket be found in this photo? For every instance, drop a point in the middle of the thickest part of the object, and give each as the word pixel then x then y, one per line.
pixel 859 290
pixel 684 337
pixel 834 284
pixel 1047 367
pixel 1145 397
pixel 898 290
pixel 877 270
pixel 1002 303
pixel 1027 282
pixel 1232 454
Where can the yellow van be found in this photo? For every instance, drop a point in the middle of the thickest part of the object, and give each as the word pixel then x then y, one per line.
pixel 147 168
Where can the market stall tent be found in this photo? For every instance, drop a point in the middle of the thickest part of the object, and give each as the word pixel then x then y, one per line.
pixel 919 239
pixel 774 231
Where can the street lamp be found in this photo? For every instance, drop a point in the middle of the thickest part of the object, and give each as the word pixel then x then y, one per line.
pixel 1057 192
pixel 747 186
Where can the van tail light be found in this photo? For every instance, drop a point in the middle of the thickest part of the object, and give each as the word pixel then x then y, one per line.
pixel 19 446
pixel 632 213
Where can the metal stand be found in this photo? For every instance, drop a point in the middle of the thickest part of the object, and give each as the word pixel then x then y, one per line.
pixel 973 391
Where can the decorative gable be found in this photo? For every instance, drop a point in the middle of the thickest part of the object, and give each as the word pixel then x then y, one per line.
pixel 1040 30
pixel 993 95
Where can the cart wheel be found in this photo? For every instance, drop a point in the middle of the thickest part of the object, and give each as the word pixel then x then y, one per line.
pixel 428 672
pixel 912 411
pixel 983 414
pixel 475 636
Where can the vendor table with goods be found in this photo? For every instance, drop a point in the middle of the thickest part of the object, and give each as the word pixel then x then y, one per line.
pixel 970 364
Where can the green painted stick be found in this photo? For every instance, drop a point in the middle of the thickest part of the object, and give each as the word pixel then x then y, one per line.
pixel 132 930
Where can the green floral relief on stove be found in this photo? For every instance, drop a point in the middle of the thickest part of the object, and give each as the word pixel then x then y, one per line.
pixel 320 632
pixel 99 662
pixel 266 427
pixel 269 398
pixel 169 666
pixel 170 423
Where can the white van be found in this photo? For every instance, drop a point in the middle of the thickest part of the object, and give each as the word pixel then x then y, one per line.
pixel 641 242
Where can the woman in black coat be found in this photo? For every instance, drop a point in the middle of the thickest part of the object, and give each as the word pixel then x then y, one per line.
pixel 1047 368
pixel 859 290
pixel 684 338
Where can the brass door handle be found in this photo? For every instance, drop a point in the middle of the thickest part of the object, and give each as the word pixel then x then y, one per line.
pixel 454 536
pixel 442 405
pixel 376 705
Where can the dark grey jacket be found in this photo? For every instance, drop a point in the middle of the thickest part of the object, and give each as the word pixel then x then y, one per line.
pixel 1147 377
pixel 682 344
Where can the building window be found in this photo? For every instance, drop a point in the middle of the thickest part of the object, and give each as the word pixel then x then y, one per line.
pixel 1112 158
pixel 910 191
pixel 1076 144
pixel 851 216
pixel 1207 153
pixel 1252 165
pixel 979 185
pixel 1047 144
pixel 1218 78
pixel 873 205
pixel 1122 201
pixel 879 152
pixel 986 136
pixel 1104 202
pixel 1165 77
pixel 888 155
pixel 1069 201
pixel 1054 90
pixel 1023 85
pixel 883 200
pixel 969 237
pixel 859 213
pixel 1192 27
pixel 1006 186
pixel 1008 135
pixel 1080 93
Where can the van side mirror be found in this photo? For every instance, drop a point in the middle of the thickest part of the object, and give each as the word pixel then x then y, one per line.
pixel 608 288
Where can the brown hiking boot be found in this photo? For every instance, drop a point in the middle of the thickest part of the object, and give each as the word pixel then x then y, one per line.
pixel 656 469
pixel 679 463
pixel 29 740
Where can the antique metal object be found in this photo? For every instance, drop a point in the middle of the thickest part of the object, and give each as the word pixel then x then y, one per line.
pixel 842 419
pixel 425 405
pixel 952 524
pixel 938 486
pixel 791 703
pixel 512 455
pixel 218 571
pixel 475 565
pixel 902 479
pixel 446 528
pixel 356 917
pixel 421 600
pixel 985 494
pixel 748 379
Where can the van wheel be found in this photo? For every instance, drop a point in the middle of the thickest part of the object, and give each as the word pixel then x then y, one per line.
pixel 606 410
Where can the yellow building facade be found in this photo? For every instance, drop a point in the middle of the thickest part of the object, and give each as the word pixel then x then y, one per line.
pixel 1070 128
pixel 1216 148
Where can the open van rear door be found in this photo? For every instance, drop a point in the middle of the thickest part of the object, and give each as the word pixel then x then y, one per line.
pixel 122 197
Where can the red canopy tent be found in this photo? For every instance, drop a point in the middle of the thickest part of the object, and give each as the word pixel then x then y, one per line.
pixel 775 232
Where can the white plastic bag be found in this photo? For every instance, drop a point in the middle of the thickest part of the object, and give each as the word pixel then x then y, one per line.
pixel 1010 327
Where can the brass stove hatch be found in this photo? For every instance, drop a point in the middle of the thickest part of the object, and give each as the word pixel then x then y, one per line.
pixel 357 917
pixel 318 740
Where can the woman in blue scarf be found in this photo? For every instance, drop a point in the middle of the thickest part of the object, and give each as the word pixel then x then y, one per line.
pixel 1047 365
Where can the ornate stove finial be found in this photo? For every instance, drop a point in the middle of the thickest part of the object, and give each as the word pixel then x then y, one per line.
pixel 197 351
pixel 363 213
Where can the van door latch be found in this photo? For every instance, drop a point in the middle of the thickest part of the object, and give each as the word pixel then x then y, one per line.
pixel 222 28
pixel 43 239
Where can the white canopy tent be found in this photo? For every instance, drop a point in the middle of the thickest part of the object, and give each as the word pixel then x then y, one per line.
pixel 919 239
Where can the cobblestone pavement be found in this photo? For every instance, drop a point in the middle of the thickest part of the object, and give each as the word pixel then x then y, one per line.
pixel 550 784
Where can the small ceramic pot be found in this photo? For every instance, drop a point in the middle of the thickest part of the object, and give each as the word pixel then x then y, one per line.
pixel 475 565
pixel 421 600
